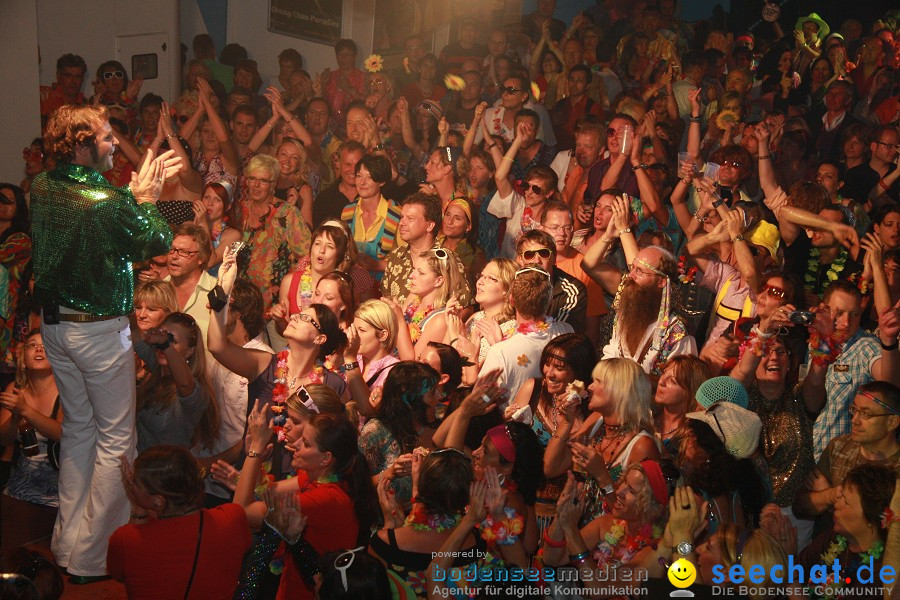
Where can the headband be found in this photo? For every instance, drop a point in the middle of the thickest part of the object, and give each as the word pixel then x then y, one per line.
pixel 650 267
pixel 657 481
pixel 334 223
pixel 504 444
pixel 463 205
pixel 873 398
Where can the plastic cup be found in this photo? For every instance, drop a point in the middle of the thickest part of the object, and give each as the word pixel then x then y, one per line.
pixel 712 171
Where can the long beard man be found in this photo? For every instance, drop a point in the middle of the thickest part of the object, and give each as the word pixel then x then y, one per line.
pixel 638 309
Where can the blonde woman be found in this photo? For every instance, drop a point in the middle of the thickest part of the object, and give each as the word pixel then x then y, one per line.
pixel 154 300
pixel 371 340
pixel 435 275
pixel 618 432
pixel 292 186
pixel 495 322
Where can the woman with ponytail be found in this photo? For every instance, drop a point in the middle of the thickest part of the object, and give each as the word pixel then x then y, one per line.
pixel 335 498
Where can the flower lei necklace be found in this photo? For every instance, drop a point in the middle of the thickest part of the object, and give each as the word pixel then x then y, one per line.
pixel 421 520
pixel 609 545
pixel 414 315
pixel 282 390
pixel 306 286
pixel 837 547
pixel 811 279
pixel 532 327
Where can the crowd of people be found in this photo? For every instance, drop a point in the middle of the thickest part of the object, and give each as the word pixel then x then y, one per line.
pixel 600 296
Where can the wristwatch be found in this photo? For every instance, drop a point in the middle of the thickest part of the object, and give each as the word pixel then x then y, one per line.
pixel 218 299
pixel 608 489
pixel 684 548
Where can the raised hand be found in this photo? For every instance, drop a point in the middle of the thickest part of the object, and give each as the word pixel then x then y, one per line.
pixel 259 428
pixel 133 89
pixel 225 474
pixel 694 99
pixel 495 497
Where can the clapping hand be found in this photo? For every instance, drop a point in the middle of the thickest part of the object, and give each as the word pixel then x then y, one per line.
pixel 284 513
pixel 225 474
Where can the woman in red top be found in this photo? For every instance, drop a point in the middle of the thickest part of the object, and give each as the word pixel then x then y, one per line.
pixel 173 548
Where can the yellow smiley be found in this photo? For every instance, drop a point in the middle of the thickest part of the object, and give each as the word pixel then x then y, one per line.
pixel 682 573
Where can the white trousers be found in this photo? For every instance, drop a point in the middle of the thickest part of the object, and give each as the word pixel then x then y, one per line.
pixel 94 368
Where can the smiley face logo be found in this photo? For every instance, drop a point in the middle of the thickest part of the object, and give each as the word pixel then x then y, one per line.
pixel 682 573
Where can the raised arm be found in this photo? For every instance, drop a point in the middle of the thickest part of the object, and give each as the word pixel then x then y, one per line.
pixel 693 144
pixel 469 141
pixel 190 178
pixel 230 158
pixel 501 176
pixel 274 97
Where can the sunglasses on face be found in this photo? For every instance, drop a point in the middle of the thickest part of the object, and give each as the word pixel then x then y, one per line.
pixel 774 291
pixel 114 74
pixel 542 252
pixel 511 90
pixel 733 164
pixel 534 188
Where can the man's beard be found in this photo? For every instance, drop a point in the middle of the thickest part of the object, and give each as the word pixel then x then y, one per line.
pixel 638 308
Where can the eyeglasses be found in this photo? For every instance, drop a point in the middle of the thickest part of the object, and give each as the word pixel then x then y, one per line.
pixel 611 132
pixel 774 291
pixel 308 319
pixel 542 252
pixel 34 346
pixel 511 90
pixel 733 164
pixel 255 180
pixel 114 74
pixel 183 253
pixel 30 154
pixel 647 269
pixel 887 145
pixel 778 351
pixel 536 189
pixel 343 562
pixel 563 228
pixel 376 82
pixel 865 414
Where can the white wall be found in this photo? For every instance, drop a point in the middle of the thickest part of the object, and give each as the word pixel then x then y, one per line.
pixel 247 25
pixel 20 119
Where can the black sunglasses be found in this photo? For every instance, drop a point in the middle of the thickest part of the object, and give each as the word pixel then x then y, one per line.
pixel 542 252
pixel 535 188
pixel 511 90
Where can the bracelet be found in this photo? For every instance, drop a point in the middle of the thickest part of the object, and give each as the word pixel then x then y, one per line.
pixel 267 124
pixel 253 454
pixel 170 136
pixel 889 347
pixel 687 181
pixel 562 438
pixel 639 167
pixel 701 219
pixel 607 489
pixel 163 345
pixel 491 146
pixel 579 558
pixel 696 119
pixel 604 240
pixel 351 366
pixel 137 517
pixel 737 238
pixel 552 543
pixel 507 158
pixel 454 340
pixel 883 185
pixel 626 230
pixel 765 156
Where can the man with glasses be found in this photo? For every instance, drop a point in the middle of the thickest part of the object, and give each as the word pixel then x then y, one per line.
pixel 70 70
pixel 569 300
pixel 188 257
pixel 559 224
pixel 86 234
pixel 876 180
pixel 874 416
pixel 848 357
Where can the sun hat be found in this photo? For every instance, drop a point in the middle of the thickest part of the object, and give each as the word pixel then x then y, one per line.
pixel 824 29
pixel 737 428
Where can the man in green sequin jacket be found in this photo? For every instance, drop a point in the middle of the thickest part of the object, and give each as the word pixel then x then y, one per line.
pixel 86 234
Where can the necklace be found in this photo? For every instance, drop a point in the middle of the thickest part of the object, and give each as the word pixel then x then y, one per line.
pixel 838 547
pixel 181 514
pixel 282 389
pixel 255 218
pixel 527 327
pixel 609 546
pixel 414 315
pixel 811 279
pixel 421 520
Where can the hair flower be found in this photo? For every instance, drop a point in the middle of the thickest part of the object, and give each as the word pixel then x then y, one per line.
pixel 374 63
